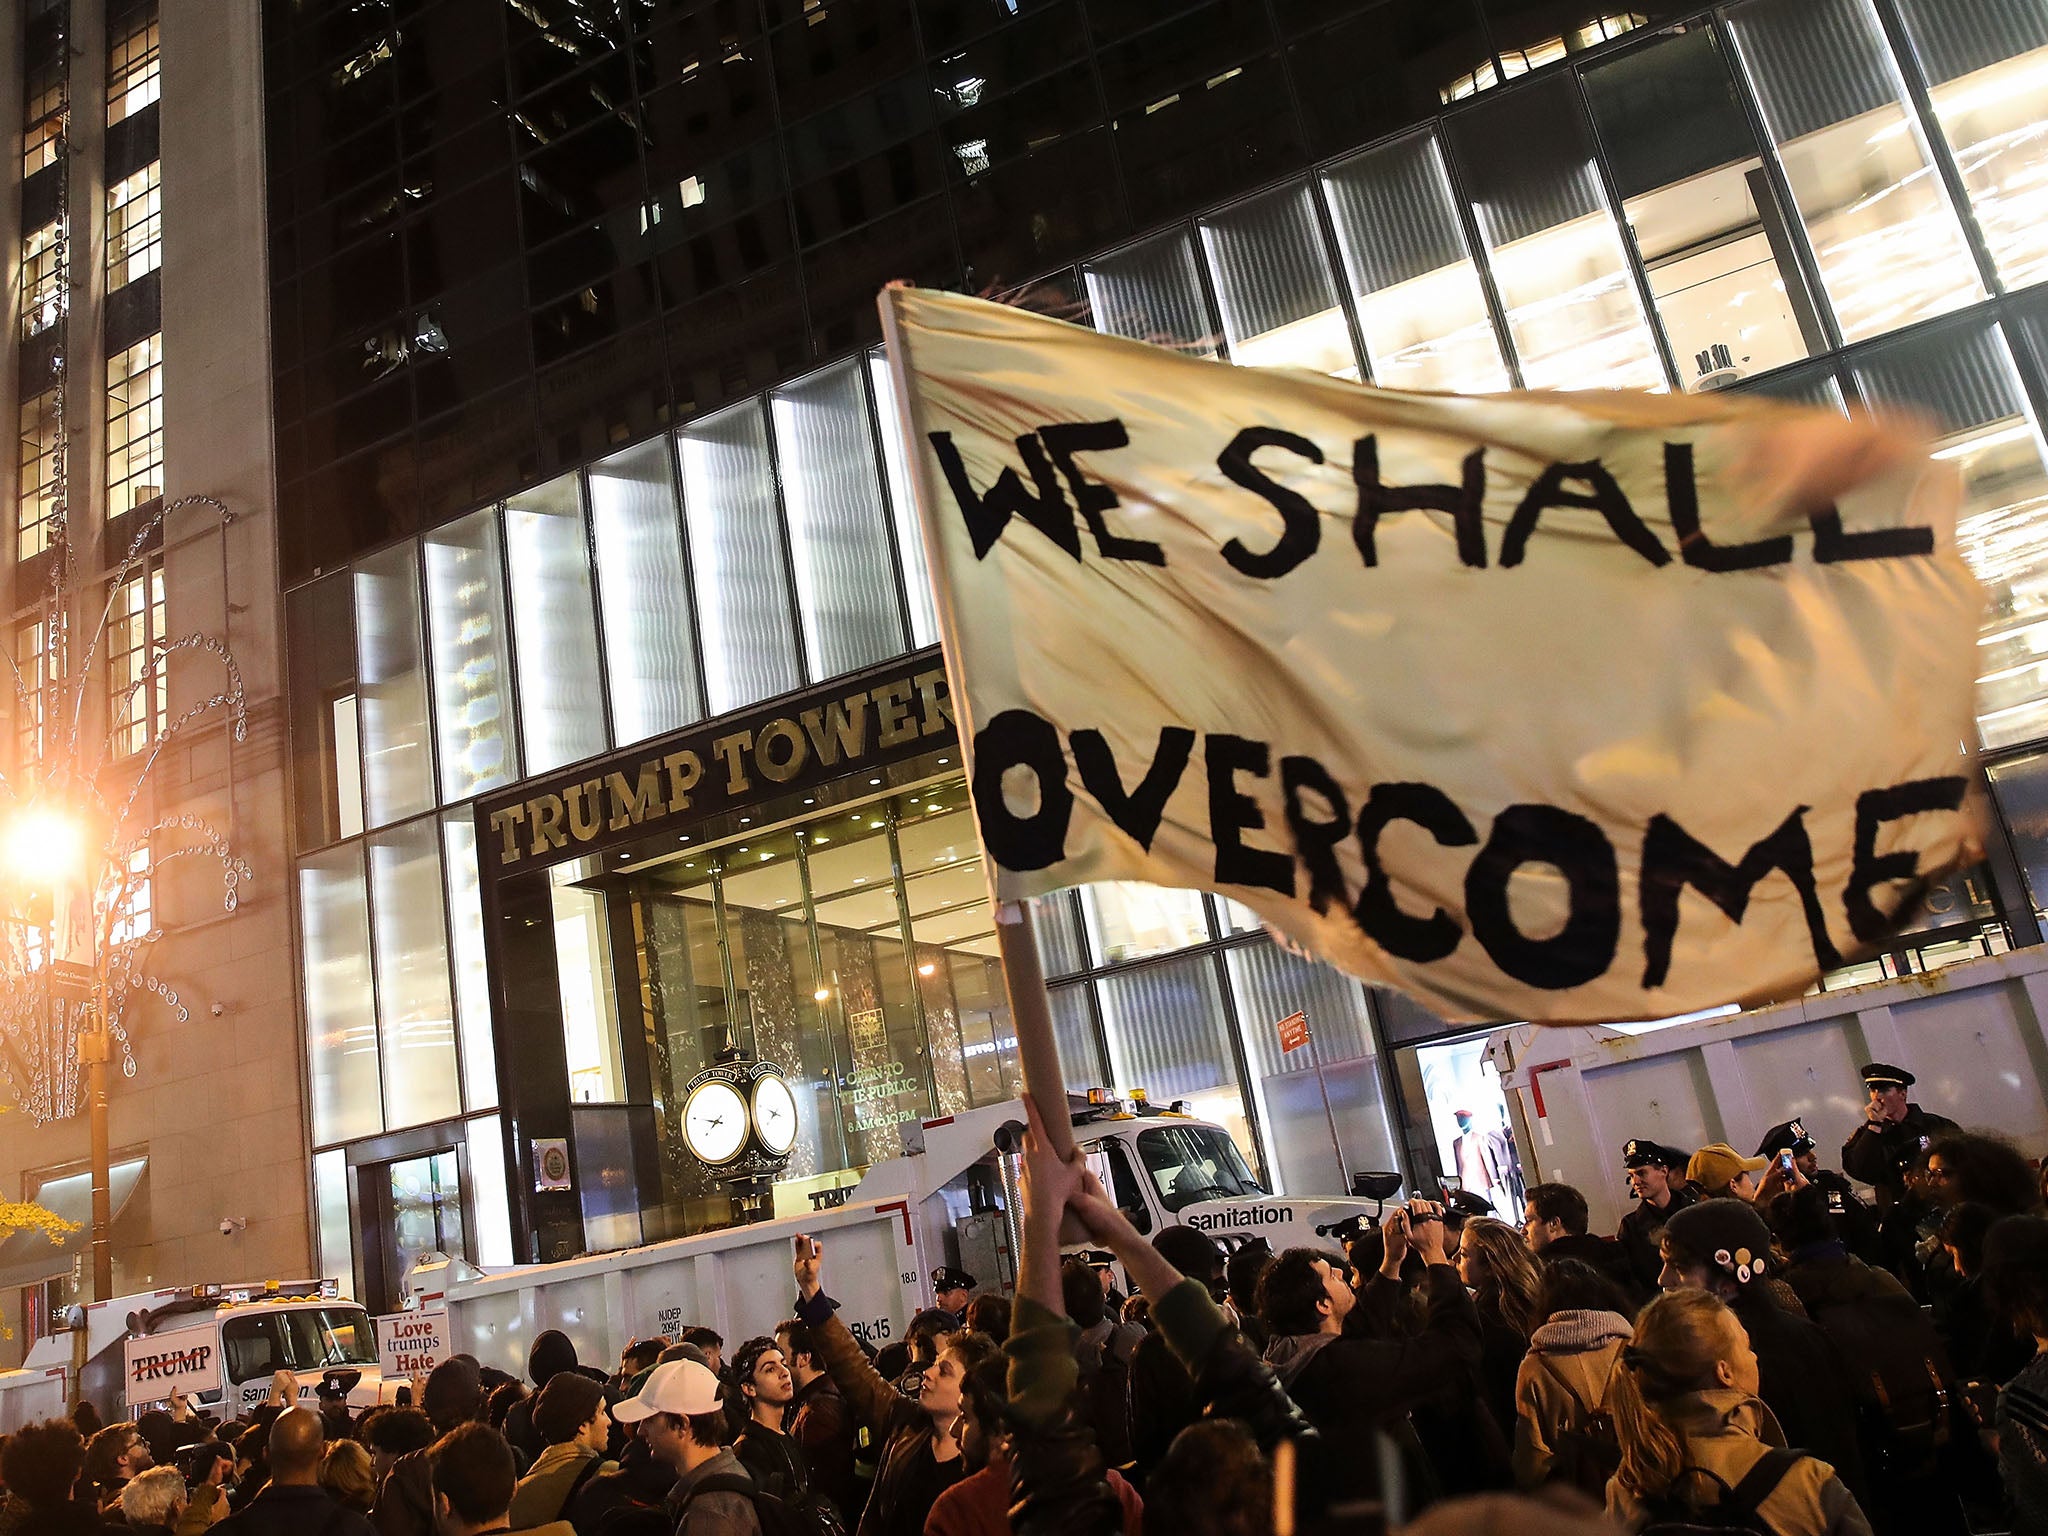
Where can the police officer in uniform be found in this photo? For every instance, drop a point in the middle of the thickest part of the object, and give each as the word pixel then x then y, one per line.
pixel 951 1287
pixel 1656 1177
pixel 1854 1221
pixel 1894 1135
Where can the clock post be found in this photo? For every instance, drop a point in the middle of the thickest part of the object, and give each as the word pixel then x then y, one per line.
pixel 739 1121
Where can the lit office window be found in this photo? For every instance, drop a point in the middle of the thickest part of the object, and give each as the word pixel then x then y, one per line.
pixel 1572 308
pixel 736 558
pixel 415 1011
pixel 650 651
pixel 391 682
pixel 135 226
pixel 37 461
pixel 138 697
pixel 1420 304
pixel 135 425
pixel 133 61
pixel 838 527
pixel 554 625
pixel 39 664
pixel 1152 291
pixel 917 579
pixel 341 1004
pixel 1889 247
pixel 1962 377
pixel 42 283
pixel 472 663
pixel 1699 204
pixel 1987 72
pixel 1273 281
pixel 42 119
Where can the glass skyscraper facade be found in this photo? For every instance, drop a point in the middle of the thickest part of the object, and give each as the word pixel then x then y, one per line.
pixel 584 451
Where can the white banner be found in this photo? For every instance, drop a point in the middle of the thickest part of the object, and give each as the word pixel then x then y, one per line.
pixel 186 1359
pixel 1532 706
pixel 411 1344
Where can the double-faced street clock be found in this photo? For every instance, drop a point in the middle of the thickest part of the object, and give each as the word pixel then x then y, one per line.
pixel 739 1121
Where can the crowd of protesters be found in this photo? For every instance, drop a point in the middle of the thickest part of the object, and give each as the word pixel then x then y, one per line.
pixel 1756 1349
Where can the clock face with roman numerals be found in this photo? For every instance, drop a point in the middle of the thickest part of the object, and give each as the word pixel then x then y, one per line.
pixel 715 1122
pixel 774 1114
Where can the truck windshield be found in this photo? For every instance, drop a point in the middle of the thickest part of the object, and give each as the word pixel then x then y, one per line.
pixel 1194 1162
pixel 310 1340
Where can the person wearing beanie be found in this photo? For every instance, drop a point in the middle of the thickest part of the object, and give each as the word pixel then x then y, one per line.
pixel 452 1397
pixel 552 1354
pixel 1722 1246
pixel 569 1413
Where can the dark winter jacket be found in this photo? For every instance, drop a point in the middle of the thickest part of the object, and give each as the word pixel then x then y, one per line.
pixel 823 1426
pixel 1603 1253
pixel 640 1483
pixel 1881 1156
pixel 1351 1387
pixel 1161 1402
pixel 294 1511
pixel 1803 1380
pixel 1640 1238
pixel 897 1504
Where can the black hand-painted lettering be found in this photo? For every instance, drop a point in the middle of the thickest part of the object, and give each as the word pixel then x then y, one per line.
pixel 1870 869
pixel 987 515
pixel 1383 921
pixel 1139 812
pixel 1583 949
pixel 1831 545
pixel 1065 439
pixel 1604 496
pixel 1017 738
pixel 1316 838
pixel 1682 496
pixel 1673 859
pixel 1302 530
pixel 1465 501
pixel 1232 812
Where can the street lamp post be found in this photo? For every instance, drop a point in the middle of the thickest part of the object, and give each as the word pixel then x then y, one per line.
pixel 74 986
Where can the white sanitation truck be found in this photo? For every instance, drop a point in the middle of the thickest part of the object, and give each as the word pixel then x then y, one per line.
pixel 937 1204
pixel 218 1344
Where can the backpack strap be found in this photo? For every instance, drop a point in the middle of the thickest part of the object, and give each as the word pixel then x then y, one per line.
pixel 1762 1480
pixel 724 1482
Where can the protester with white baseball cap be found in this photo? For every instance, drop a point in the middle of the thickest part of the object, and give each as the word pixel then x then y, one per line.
pixel 682 1419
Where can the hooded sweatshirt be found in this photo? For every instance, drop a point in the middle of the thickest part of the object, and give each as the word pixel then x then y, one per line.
pixel 552 1351
pixel 1563 1381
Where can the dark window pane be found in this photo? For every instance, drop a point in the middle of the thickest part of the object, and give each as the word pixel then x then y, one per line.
pixel 1039 43
pixel 1023 217
pixel 839 48
pixel 736 342
pixel 1212 139
pixel 713 258
pixel 342 509
pixel 320 624
pixel 475 362
pixel 592 312
pixel 1184 52
pixel 890 113
pixel 477 454
pixel 949 23
pixel 612 394
pixel 457 239
pixel 842 278
pixel 357 287
pixel 1377 72
pixel 368 417
pixel 718 102
pixel 1701 209
pixel 597 169
pixel 867 190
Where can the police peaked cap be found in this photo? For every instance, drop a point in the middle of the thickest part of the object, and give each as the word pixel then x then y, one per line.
pixel 1882 1074
pixel 1638 1151
pixel 1788 1137
pixel 947 1278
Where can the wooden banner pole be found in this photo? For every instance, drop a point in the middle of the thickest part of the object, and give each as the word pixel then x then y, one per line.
pixel 1031 1013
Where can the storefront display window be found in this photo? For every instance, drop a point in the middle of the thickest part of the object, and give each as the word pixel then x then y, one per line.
pixel 1702 211
pixel 650 649
pixel 1279 298
pixel 1420 304
pixel 1987 73
pixel 1889 247
pixel 1557 259
pixel 1962 377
